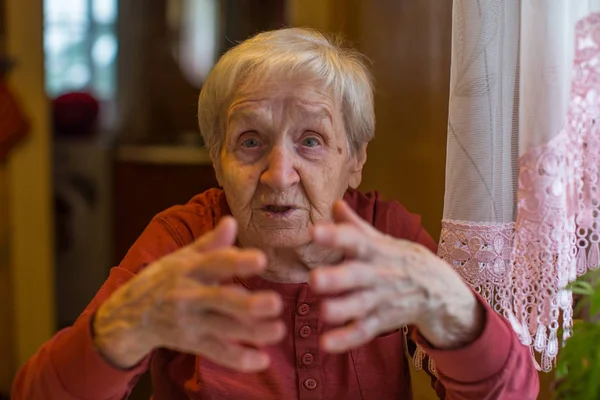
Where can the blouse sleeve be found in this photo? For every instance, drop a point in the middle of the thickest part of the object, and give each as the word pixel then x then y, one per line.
pixel 495 366
pixel 68 366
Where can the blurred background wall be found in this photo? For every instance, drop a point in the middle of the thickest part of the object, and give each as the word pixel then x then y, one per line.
pixel 110 88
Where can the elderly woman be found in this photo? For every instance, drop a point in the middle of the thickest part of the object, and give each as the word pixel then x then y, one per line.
pixel 287 283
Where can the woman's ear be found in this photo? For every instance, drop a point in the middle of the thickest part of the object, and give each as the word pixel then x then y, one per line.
pixel 357 163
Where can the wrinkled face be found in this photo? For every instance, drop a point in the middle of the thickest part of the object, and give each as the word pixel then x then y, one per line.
pixel 284 161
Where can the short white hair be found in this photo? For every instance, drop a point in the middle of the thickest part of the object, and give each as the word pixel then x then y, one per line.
pixel 291 52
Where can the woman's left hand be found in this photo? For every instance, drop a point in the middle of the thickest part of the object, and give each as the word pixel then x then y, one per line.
pixel 385 283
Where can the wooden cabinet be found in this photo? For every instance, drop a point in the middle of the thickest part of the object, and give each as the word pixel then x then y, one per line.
pixel 7 356
pixel 148 180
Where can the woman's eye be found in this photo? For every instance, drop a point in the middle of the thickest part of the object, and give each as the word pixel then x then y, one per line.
pixel 310 142
pixel 253 142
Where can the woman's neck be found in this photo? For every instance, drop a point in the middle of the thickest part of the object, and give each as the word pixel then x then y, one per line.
pixel 293 265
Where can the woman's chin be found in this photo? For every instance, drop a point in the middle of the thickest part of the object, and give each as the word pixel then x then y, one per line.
pixel 282 238
pixel 266 232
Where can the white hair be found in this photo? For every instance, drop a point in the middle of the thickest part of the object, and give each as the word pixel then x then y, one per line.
pixel 291 52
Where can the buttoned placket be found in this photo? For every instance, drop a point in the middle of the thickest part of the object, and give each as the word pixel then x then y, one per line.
pixel 307 347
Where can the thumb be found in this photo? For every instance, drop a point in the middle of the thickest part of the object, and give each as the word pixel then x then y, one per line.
pixel 222 236
pixel 342 213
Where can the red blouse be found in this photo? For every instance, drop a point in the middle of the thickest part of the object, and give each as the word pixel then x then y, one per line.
pixel 495 366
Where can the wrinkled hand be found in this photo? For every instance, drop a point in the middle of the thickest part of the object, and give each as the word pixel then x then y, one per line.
pixel 385 283
pixel 178 303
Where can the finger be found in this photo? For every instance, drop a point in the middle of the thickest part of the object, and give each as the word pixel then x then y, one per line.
pixel 353 242
pixel 223 235
pixel 232 355
pixel 343 213
pixel 350 275
pixel 235 301
pixel 257 333
pixel 352 307
pixel 352 335
pixel 230 262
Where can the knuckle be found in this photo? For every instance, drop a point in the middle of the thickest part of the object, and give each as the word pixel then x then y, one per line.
pixel 205 296
pixel 270 332
pixel 258 333
pixel 379 321
pixel 186 337
pixel 255 334
pixel 365 329
pixel 181 306
pixel 179 325
pixel 364 301
pixel 364 248
pixel 203 347
pixel 227 353
pixel 230 300
pixel 224 253
pixel 172 281
pixel 181 262
pixel 183 334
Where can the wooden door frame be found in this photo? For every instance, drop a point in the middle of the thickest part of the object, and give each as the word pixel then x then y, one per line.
pixel 30 194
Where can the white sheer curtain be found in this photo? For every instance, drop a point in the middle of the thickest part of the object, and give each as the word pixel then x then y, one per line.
pixel 521 204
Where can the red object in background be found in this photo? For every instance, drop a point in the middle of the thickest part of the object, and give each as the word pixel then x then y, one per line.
pixel 75 114
pixel 13 124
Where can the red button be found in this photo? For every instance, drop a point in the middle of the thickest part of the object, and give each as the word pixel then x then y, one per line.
pixel 305 331
pixel 307 359
pixel 310 384
pixel 303 309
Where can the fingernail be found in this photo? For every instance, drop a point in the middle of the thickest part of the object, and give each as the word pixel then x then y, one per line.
pixel 319 280
pixel 254 362
pixel 281 330
pixel 262 259
pixel 262 360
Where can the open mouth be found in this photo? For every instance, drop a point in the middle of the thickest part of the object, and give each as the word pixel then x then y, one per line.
pixel 276 209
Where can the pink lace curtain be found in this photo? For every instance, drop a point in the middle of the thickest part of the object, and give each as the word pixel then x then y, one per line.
pixel 521 210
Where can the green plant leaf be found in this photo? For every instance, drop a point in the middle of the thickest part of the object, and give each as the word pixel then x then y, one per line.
pixel 578 364
pixel 581 287
pixel 595 303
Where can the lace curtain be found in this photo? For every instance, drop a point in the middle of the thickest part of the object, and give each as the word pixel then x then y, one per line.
pixel 521 216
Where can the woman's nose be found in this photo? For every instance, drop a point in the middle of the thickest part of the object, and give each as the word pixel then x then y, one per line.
pixel 280 173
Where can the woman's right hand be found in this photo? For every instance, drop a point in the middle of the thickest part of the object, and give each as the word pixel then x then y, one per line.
pixel 178 302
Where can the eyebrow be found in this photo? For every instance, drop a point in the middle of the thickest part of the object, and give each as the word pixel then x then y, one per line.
pixel 244 112
pixel 322 113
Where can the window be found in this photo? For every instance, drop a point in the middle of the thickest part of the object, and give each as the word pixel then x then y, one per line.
pixel 193 27
pixel 80 43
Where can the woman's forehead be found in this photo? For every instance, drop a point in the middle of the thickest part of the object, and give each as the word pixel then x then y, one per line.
pixel 259 98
